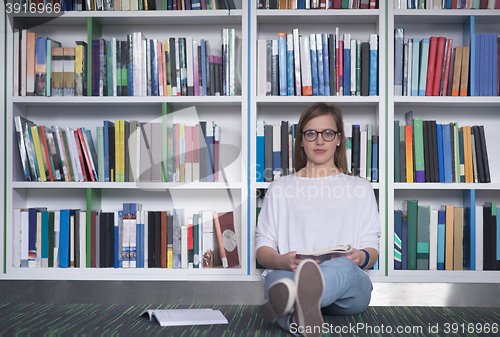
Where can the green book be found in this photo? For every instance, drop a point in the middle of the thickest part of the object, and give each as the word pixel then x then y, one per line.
pixel 68 157
pixel 418 134
pixel 412 212
pixel 423 237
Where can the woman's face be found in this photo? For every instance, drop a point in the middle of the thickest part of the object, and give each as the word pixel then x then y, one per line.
pixel 320 152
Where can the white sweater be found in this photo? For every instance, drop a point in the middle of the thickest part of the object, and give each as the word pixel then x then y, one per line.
pixel 314 213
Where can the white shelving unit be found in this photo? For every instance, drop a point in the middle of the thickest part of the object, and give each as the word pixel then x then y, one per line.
pixel 464 110
pixel 266 24
pixel 230 113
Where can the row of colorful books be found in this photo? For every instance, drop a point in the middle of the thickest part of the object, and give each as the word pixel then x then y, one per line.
pixel 433 67
pixel 317 64
pixel 135 67
pixel 446 4
pixel 317 4
pixel 128 238
pixel 276 148
pixel 139 5
pixel 446 239
pixel 126 152
pixel 439 153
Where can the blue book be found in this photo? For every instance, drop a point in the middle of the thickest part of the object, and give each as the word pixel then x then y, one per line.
pixel 447 154
pixel 290 65
pixel 424 62
pixel 478 65
pixel 321 73
pixel 326 64
pixel 404 243
pixel 494 64
pixel 260 148
pixel 484 66
pixel 67 5
pixel 441 239
pixel 439 135
pixel 314 64
pixel 41 63
pixel 63 238
pixel 469 40
pixel 130 72
pixel 139 230
pixel 398 217
pixel 203 67
pixel 301 4
pixel 154 53
pixel 188 5
pixel 469 230
pixel 415 67
pixel 32 237
pixel 195 5
pixel 347 64
pixel 448 4
pixel 116 239
pixel 282 64
pixel 373 65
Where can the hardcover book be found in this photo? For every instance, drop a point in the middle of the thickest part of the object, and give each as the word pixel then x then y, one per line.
pixel 326 254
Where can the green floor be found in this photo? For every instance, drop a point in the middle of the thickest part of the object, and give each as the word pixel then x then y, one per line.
pixel 244 320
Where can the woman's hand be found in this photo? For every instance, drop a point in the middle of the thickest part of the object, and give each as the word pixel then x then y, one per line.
pixel 357 256
pixel 289 262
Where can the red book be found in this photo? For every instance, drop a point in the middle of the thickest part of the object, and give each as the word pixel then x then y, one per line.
pixel 337 69
pixel 483 4
pixel 364 5
pixel 431 69
pixel 93 215
pixel 497 4
pixel 45 149
pixel 80 156
pixel 454 4
pixel 337 4
pixel 439 66
pixel 322 4
pixel 373 4
pixel 86 154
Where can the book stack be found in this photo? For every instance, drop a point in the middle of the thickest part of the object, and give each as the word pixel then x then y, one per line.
pixel 434 67
pixel 276 148
pixel 317 4
pixel 125 152
pixel 439 4
pixel 108 5
pixel 136 67
pixel 317 64
pixel 442 153
pixel 451 238
pixel 127 238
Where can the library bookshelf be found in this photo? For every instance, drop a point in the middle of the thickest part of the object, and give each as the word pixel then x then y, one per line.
pixel 228 112
pixel 464 110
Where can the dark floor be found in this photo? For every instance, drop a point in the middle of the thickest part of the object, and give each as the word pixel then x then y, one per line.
pixel 25 319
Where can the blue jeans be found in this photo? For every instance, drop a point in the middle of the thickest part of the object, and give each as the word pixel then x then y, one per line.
pixel 347 288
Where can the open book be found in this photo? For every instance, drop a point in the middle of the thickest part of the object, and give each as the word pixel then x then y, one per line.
pixel 177 317
pixel 325 254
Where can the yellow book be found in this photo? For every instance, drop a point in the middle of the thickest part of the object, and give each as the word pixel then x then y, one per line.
pixel 117 151
pixel 168 72
pixel 38 152
pixel 79 70
pixel 458 238
pixel 449 238
pixel 122 151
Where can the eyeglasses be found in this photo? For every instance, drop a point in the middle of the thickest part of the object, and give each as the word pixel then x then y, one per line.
pixel 312 135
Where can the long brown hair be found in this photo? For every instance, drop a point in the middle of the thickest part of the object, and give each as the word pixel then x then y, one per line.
pixel 313 111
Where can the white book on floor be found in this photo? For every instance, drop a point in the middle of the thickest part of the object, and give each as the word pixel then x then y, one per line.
pixel 178 317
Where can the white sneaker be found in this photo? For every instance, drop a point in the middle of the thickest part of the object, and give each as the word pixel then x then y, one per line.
pixel 281 299
pixel 310 285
